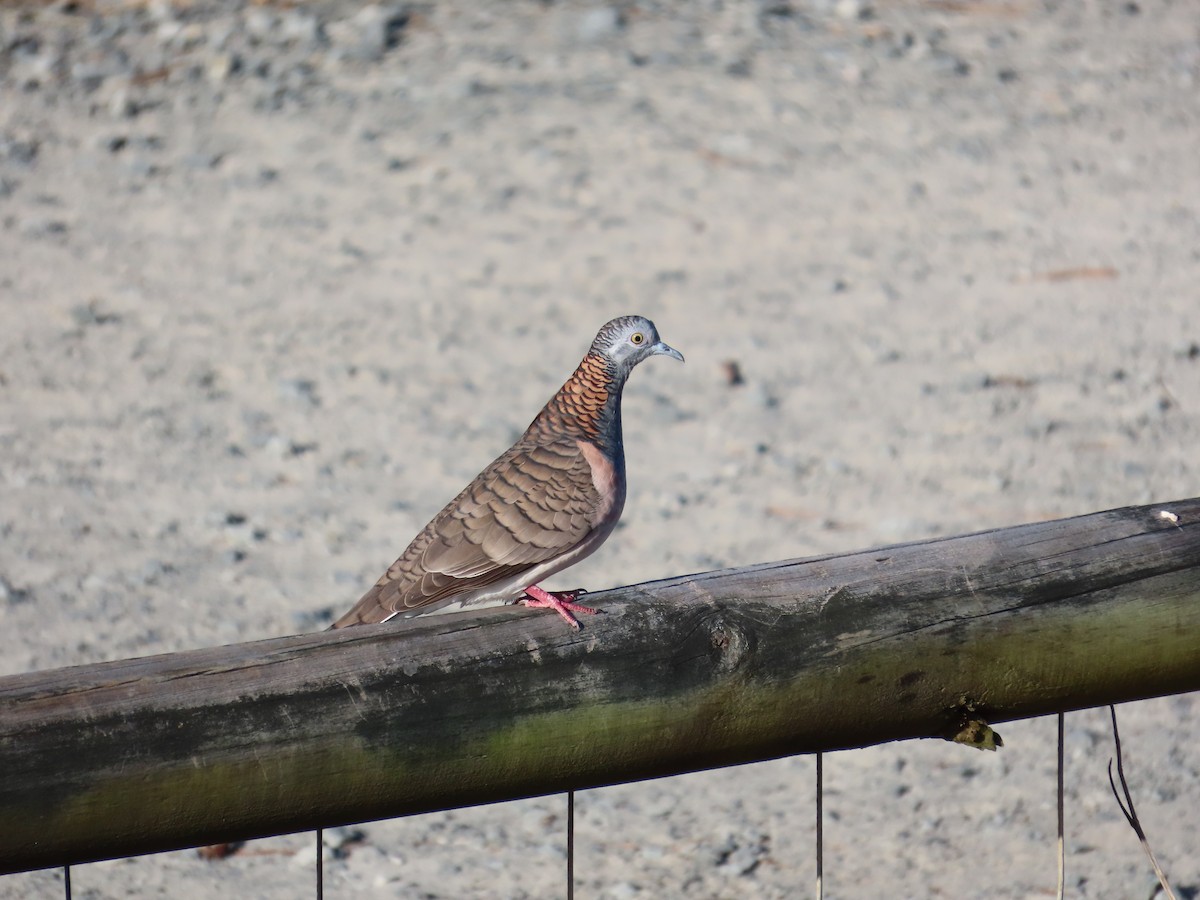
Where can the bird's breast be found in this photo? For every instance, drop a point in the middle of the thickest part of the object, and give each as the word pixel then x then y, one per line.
pixel 609 482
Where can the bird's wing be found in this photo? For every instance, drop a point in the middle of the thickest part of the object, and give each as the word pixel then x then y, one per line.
pixel 536 502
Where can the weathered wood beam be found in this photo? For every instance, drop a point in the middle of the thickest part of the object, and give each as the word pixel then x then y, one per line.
pixel 727 667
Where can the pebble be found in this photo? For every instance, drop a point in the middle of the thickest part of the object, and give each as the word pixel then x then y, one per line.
pixel 301 389
pixel 740 855
pixel 221 65
pixel 301 29
pixel 312 619
pixel 598 24
pixel 201 161
pixel 121 105
pixel 852 10
pixel 622 890
pixel 43 228
pixel 13 595
pixel 369 33
pixel 20 150
pixel 261 24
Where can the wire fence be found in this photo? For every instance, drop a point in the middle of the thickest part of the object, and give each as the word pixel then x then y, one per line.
pixel 1120 788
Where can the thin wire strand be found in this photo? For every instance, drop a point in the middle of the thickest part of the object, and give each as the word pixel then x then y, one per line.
pixel 67 882
pixel 820 824
pixel 1127 809
pixel 320 864
pixel 570 845
pixel 1062 853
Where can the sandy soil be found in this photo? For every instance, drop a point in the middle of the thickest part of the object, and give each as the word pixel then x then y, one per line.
pixel 275 282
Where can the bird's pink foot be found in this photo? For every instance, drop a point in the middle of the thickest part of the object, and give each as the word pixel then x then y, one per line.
pixel 562 602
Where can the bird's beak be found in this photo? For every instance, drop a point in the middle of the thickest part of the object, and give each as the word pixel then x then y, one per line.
pixel 661 349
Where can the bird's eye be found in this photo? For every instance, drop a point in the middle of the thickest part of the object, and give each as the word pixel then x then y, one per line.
pixel 637 337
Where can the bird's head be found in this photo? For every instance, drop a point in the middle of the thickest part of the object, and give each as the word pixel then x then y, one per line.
pixel 627 340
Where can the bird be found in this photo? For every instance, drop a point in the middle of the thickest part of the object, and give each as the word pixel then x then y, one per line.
pixel 544 504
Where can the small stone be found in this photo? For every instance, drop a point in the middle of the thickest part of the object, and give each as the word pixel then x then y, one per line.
pixel 623 890
pixel 302 389
pixel 370 32
pixel 776 9
pixel 221 33
pixel 13 595
pixel 340 839
pixel 946 63
pixel 261 24
pixel 202 161
pixel 154 570
pixel 740 855
pixel 313 619
pixel 598 24
pixel 121 105
pixel 141 167
pixel 301 29
pixel 852 10
pixel 23 151
pixel 221 66
pixel 169 31
pixel 160 10
pixel 764 398
pixel 740 68
pixel 88 76
pixel 42 228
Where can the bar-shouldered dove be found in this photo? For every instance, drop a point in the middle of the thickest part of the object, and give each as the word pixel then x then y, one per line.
pixel 546 503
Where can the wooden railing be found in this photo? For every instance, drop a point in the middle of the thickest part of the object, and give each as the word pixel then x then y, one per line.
pixel 931 639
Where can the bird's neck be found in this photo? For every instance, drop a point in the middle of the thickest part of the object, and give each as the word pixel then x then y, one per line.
pixel 588 406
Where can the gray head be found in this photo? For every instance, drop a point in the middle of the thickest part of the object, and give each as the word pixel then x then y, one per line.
pixel 627 340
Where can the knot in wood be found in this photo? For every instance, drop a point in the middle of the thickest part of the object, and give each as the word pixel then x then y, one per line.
pixel 730 643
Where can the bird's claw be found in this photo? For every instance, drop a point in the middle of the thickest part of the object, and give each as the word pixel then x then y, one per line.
pixel 562 602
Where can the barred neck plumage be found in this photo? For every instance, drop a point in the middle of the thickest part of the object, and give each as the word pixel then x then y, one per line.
pixel 588 405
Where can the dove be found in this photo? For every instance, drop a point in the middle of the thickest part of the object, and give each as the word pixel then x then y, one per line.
pixel 544 504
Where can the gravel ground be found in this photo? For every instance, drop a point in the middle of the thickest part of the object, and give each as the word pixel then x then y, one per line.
pixel 275 281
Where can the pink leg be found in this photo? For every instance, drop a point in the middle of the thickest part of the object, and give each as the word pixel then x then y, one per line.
pixel 562 603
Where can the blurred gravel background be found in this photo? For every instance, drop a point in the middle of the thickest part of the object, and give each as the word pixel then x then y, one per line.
pixel 276 280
